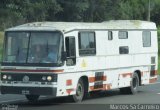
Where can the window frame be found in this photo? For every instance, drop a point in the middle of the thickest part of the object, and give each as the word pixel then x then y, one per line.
pixel 61 48
pixel 70 57
pixel 143 39
pixel 79 43
pixel 123 31
pixel 123 47
pixel 110 33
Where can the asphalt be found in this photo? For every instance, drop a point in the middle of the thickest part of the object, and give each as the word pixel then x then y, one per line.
pixel 149 94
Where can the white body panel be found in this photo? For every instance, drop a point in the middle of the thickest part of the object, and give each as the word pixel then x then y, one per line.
pixel 117 68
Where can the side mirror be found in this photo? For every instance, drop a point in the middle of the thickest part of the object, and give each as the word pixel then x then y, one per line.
pixel 64 56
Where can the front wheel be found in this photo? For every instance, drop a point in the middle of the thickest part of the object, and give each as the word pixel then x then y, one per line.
pixel 78 97
pixel 32 98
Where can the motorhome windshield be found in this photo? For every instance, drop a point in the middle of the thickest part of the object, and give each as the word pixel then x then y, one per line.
pixel 32 47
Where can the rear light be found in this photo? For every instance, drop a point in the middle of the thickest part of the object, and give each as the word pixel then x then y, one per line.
pixel 153 72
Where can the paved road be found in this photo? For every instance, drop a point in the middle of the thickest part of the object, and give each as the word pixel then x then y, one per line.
pixel 146 95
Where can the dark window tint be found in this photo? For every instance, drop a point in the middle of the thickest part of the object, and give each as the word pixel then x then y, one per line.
pixel 123 50
pixel 71 51
pixel 153 60
pixel 110 35
pixel 123 35
pixel 146 38
pixel 87 45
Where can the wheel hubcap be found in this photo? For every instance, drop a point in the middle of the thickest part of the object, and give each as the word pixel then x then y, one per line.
pixel 134 83
pixel 79 90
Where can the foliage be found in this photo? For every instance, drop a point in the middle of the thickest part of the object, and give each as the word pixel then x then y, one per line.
pixel 15 12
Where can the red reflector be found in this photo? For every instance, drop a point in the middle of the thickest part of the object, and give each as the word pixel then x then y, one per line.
pixel 153 72
pixel 68 82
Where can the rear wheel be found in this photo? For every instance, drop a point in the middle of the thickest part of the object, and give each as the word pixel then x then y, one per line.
pixel 78 97
pixel 134 85
pixel 32 98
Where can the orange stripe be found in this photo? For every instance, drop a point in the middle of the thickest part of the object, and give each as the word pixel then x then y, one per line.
pixel 20 70
pixel 152 80
pixel 127 74
pixel 108 86
pixel 155 72
pixel 105 87
pixel 104 78
pixel 68 82
pixel 69 91
pixel 93 79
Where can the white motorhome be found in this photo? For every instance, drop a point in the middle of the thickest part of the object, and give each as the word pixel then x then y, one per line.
pixel 74 58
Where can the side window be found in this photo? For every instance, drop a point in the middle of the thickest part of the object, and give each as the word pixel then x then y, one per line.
pixel 123 35
pixel 110 35
pixel 123 50
pixel 87 43
pixel 146 36
pixel 70 50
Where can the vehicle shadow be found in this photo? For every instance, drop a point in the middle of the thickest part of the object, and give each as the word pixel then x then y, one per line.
pixel 49 101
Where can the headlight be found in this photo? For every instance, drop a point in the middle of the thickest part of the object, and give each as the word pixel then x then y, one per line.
pixel 49 78
pixel 4 77
pixel 9 77
pixel 44 78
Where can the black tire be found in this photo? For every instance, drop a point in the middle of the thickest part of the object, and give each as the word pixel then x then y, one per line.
pixel 134 85
pixel 80 92
pixel 32 98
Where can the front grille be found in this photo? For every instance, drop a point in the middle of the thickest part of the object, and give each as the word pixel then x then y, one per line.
pixel 32 77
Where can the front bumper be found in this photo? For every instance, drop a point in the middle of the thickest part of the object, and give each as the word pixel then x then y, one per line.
pixel 29 90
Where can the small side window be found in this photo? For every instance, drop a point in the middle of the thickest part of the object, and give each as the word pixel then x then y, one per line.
pixel 70 50
pixel 110 35
pixel 123 35
pixel 146 36
pixel 123 50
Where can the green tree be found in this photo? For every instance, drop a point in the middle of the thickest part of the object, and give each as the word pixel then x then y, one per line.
pixel 132 9
pixel 73 10
pixel 40 10
pixel 155 12
pixel 15 12
pixel 96 10
pixel 9 13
